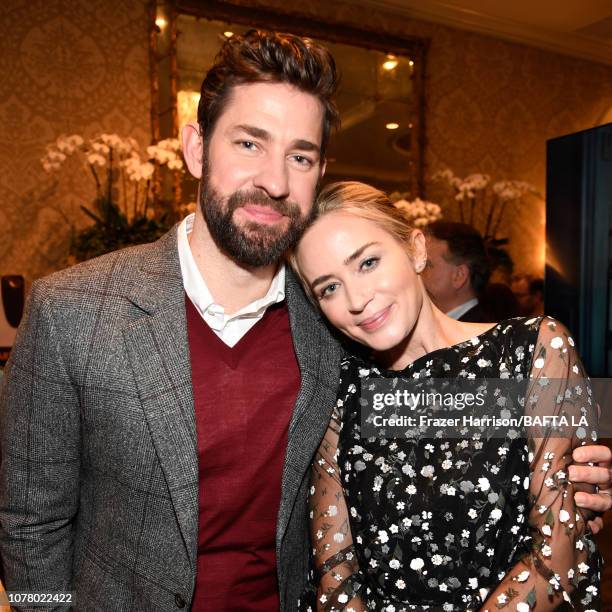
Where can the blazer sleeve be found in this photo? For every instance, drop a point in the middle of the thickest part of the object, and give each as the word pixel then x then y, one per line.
pixel 40 462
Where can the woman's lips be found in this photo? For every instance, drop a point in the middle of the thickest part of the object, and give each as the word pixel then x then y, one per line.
pixel 261 214
pixel 376 321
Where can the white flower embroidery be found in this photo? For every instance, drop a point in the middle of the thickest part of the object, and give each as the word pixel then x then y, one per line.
pixel 427 471
pixel 556 342
pixel 483 483
pixel 416 564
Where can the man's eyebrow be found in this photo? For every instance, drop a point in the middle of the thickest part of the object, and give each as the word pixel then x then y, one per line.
pixel 253 131
pixel 305 145
pixel 346 262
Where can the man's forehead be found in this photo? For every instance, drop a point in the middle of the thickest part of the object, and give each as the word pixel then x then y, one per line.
pixel 268 103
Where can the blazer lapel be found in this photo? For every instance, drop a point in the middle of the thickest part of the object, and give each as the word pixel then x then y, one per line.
pixel 318 356
pixel 158 350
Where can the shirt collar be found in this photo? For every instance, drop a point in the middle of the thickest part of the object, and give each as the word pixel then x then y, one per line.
pixel 196 287
pixel 460 310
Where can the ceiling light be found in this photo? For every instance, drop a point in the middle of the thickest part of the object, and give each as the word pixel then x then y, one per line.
pixel 411 63
pixel 392 126
pixel 160 22
pixel 390 63
pixel 228 34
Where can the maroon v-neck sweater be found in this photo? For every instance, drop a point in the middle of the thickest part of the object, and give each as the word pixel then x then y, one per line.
pixel 243 398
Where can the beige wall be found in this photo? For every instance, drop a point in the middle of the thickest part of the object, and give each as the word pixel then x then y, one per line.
pixel 67 66
pixel 81 66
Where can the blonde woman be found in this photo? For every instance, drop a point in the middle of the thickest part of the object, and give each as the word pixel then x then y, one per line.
pixel 465 523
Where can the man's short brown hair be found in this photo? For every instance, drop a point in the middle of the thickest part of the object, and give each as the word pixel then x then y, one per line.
pixel 269 57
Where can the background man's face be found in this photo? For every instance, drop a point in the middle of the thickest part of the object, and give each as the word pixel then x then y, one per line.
pixel 438 273
pixel 261 169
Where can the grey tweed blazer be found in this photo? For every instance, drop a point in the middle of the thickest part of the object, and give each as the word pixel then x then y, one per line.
pixel 99 471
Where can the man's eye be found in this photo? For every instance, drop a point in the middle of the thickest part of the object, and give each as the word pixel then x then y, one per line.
pixel 369 263
pixel 247 144
pixel 328 290
pixel 302 160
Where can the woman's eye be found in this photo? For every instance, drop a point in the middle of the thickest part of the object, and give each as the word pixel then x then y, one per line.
pixel 369 263
pixel 328 290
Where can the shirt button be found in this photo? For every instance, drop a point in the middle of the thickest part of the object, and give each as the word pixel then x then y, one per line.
pixel 180 602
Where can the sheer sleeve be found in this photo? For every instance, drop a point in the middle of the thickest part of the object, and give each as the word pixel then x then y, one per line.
pixel 336 567
pixel 562 568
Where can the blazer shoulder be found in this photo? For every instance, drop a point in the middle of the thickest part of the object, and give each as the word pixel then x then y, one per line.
pixel 114 273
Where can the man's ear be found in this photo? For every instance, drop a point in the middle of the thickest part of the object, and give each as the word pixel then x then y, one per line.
pixel 193 150
pixel 461 275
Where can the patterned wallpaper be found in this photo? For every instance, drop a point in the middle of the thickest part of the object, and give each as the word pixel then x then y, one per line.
pixel 68 66
pixel 82 66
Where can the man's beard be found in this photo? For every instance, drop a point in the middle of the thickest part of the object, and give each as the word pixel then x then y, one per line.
pixel 251 244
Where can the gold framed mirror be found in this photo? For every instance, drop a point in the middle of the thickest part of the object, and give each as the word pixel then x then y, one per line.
pixel 381 96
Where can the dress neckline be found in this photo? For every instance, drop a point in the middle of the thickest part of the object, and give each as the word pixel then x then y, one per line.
pixel 458 345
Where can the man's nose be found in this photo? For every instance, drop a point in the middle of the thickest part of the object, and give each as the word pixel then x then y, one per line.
pixel 273 178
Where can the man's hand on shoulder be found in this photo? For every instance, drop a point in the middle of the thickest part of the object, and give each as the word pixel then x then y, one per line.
pixel 598 474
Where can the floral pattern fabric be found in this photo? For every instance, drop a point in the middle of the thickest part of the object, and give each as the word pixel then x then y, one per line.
pixel 457 524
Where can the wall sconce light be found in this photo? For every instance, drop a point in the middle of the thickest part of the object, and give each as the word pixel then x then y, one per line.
pixel 390 63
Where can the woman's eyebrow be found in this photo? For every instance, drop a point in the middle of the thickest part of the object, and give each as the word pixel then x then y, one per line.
pixel 357 253
pixel 352 257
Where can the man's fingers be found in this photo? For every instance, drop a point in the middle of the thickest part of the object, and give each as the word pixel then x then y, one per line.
pixel 596 525
pixel 601 476
pixel 592 454
pixel 598 502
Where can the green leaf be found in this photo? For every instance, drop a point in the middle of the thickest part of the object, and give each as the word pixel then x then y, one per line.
pixel 550 519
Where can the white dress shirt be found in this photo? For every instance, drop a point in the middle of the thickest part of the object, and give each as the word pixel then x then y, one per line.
pixel 230 328
pixel 458 311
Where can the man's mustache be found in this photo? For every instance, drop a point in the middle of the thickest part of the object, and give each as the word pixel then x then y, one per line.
pixel 283 206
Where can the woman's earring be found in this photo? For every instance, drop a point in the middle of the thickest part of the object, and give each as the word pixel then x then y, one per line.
pixel 419 267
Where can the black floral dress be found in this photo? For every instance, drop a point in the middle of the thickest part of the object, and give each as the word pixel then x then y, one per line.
pixel 470 523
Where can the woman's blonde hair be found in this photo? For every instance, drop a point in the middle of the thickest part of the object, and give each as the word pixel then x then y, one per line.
pixel 363 201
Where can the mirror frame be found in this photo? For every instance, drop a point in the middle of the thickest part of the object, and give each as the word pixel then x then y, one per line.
pixel 337 32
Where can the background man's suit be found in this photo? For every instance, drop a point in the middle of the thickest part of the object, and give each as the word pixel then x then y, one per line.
pixel 99 477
